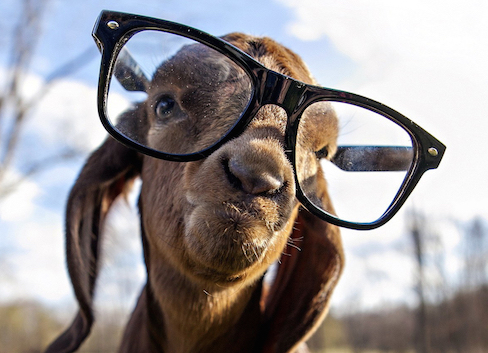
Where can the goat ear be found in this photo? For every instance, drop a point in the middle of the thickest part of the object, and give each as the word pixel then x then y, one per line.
pixel 106 174
pixel 307 274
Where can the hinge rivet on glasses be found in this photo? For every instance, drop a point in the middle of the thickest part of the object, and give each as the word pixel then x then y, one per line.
pixel 112 24
pixel 433 151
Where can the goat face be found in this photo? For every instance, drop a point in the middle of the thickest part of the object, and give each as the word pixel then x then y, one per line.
pixel 225 219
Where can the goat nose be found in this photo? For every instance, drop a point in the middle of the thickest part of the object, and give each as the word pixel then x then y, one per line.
pixel 254 178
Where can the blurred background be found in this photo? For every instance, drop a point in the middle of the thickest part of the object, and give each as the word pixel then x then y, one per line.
pixel 417 284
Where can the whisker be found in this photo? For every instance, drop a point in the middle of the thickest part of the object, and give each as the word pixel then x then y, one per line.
pixel 294 246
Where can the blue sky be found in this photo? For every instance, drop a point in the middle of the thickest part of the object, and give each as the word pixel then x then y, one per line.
pixel 425 59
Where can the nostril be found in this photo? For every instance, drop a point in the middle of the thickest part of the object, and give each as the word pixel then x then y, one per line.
pixel 253 179
pixel 234 180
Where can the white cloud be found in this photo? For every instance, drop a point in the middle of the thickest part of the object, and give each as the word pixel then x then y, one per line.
pixel 68 115
pixel 18 205
pixel 368 30
pixel 371 281
pixel 37 261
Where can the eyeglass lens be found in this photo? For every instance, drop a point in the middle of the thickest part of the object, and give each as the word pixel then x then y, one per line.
pixel 363 170
pixel 175 95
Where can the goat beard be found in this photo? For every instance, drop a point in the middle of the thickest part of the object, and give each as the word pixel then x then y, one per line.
pixel 235 242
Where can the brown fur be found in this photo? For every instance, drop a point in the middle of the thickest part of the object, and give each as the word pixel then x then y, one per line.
pixel 210 231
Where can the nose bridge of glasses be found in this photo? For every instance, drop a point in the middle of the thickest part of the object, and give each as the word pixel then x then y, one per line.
pixel 282 90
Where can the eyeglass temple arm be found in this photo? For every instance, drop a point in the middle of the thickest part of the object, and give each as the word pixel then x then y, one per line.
pixel 373 158
pixel 129 73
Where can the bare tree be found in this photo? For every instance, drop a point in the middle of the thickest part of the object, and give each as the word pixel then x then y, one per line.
pixel 476 260
pixel 475 288
pixel 15 108
pixel 416 229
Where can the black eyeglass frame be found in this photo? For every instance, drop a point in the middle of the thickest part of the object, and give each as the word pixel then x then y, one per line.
pixel 113 29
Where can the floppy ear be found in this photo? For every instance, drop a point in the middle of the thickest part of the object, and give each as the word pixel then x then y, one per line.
pixel 307 274
pixel 106 174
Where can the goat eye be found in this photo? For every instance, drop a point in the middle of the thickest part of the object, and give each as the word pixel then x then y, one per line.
pixel 164 106
pixel 322 153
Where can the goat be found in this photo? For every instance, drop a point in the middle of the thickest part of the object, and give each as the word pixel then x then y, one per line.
pixel 210 230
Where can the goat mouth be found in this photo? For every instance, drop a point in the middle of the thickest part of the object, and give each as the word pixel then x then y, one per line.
pixel 227 242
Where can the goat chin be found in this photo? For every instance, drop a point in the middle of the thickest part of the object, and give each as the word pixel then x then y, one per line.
pixel 211 229
pixel 231 245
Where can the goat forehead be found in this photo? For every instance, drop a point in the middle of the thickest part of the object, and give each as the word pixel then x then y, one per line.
pixel 197 63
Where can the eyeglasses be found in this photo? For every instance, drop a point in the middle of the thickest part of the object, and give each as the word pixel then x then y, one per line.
pixel 150 99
